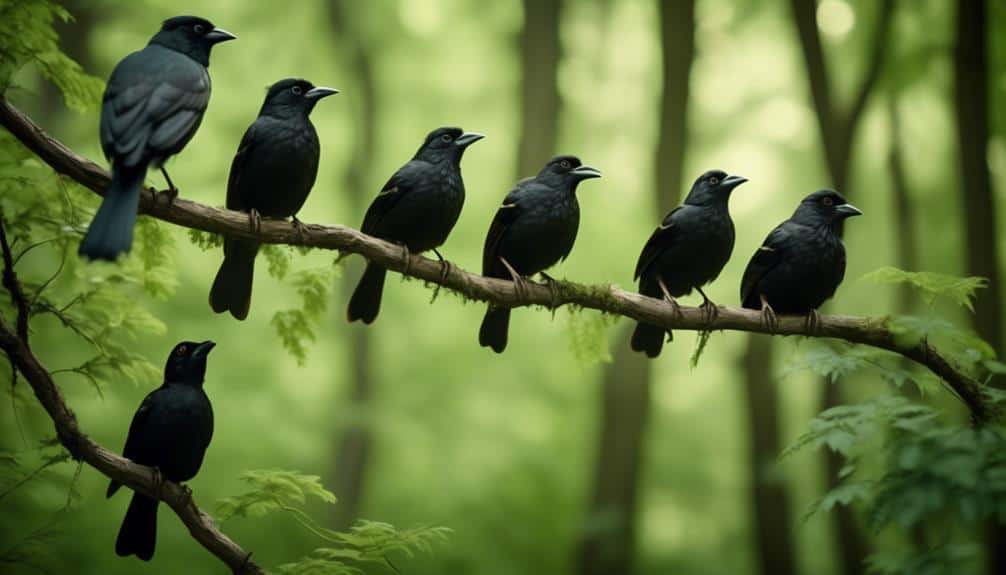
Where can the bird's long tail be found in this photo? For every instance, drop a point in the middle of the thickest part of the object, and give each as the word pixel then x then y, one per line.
pixel 648 338
pixel 138 533
pixel 366 299
pixel 232 287
pixel 495 326
pixel 111 231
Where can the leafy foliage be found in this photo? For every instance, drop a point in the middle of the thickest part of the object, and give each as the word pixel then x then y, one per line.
pixel 365 542
pixel 929 470
pixel 27 37
pixel 296 326
pixel 273 490
pixel 943 560
pixel 835 360
pixel 933 286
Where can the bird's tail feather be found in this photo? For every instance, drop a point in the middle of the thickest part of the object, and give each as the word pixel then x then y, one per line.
pixel 232 287
pixel 495 325
pixel 366 299
pixel 111 231
pixel 138 533
pixel 648 339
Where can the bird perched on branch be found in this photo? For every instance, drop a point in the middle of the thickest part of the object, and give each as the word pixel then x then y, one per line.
pixel 170 432
pixel 687 251
pixel 801 263
pixel 417 209
pixel 534 229
pixel 271 175
pixel 153 104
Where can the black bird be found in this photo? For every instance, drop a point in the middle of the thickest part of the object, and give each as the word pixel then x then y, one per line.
pixel 170 432
pixel 533 230
pixel 271 175
pixel 153 104
pixel 417 208
pixel 802 262
pixel 687 251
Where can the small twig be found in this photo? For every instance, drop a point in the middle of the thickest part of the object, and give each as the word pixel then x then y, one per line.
pixel 13 286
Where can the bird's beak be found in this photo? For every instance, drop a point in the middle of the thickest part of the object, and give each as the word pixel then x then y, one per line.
pixel 203 349
pixel 320 92
pixel 467 139
pixel 218 35
pixel 585 172
pixel 848 210
pixel 731 182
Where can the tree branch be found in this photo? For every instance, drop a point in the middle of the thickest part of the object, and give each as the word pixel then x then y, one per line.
pixel 14 344
pixel 605 298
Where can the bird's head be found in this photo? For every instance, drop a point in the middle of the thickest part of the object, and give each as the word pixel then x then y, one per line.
pixel 713 187
pixel 187 362
pixel 192 36
pixel 566 171
pixel 294 96
pixel 446 143
pixel 825 208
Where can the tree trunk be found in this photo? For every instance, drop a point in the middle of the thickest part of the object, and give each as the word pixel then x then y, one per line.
pixel 980 227
pixel 769 498
pixel 906 250
pixel 355 440
pixel 540 53
pixel 625 402
pixel 838 130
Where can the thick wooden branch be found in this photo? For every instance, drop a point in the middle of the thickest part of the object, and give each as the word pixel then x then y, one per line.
pixel 138 477
pixel 605 298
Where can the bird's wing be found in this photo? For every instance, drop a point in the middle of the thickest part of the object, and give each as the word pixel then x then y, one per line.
pixel 398 185
pixel 505 215
pixel 659 240
pixel 136 428
pixel 234 200
pixel 763 261
pixel 151 105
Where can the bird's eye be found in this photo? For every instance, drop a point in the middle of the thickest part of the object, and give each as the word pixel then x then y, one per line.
pixel 297 90
pixel 446 137
pixel 199 28
pixel 714 180
pixel 828 201
pixel 564 164
pixel 181 351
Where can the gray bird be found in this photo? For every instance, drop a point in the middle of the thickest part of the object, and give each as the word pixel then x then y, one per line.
pixel 153 104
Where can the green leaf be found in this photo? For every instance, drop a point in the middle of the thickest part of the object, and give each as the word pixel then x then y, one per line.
pixel 958 290
pixel 272 490
pixel 844 494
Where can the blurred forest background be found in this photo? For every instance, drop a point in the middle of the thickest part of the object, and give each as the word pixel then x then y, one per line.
pixel 567 454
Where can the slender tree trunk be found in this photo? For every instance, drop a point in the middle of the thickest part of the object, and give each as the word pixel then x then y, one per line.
pixel 354 443
pixel 906 250
pixel 980 226
pixel 769 499
pixel 540 53
pixel 74 41
pixel 625 401
pixel 838 130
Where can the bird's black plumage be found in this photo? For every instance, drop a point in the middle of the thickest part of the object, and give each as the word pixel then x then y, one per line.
pixel 802 261
pixel 534 229
pixel 170 431
pixel 687 250
pixel 153 104
pixel 417 208
pixel 271 175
